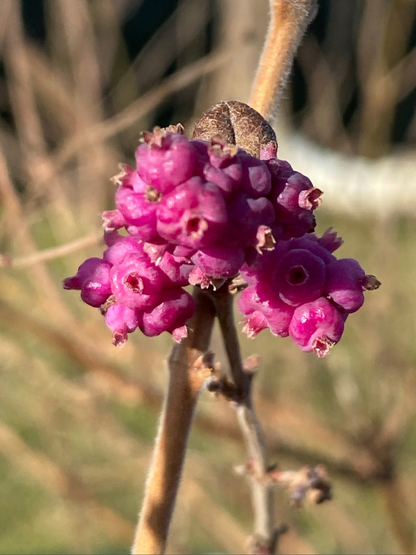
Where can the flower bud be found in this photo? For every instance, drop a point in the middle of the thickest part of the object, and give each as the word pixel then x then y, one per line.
pixel 121 320
pixel 344 284
pixel 192 215
pixel 175 308
pixel 165 160
pixel 299 277
pixel 136 282
pixel 93 279
pixel 316 326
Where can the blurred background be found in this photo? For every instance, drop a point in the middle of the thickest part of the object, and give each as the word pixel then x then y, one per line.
pixel 79 81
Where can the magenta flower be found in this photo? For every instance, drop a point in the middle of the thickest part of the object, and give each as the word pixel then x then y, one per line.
pixel 193 215
pixel 93 280
pixel 165 160
pixel 136 282
pixel 316 326
pixel 301 289
pixel 299 277
pixel 175 308
pixel 121 320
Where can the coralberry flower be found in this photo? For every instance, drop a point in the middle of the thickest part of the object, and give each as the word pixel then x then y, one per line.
pixel 93 280
pixel 193 215
pixel 165 160
pixel 121 320
pixel 136 282
pixel 294 199
pixel 171 314
pixel 301 289
pixel 199 212
pixel 317 326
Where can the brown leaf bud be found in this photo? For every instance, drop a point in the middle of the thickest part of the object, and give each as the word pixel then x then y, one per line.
pixel 238 124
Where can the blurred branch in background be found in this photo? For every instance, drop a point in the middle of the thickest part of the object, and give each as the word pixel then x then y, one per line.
pixel 78 82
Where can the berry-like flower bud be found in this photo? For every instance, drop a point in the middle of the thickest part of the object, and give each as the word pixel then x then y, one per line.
pixel 176 269
pixel 136 282
pixel 193 215
pixel 175 308
pixel 116 253
pixel 316 326
pixel 245 216
pixel 121 320
pixel 344 284
pixel 219 262
pixel 93 279
pixel 256 176
pixel 294 199
pixel 139 210
pixel 276 314
pixel 222 166
pixel 299 277
pixel 165 160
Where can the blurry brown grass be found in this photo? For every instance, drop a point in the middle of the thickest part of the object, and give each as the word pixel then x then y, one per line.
pixel 77 416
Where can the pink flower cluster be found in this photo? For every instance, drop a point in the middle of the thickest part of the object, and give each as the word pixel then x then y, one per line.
pixel 300 289
pixel 198 212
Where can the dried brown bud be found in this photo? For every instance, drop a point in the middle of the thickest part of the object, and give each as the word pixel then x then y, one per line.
pixel 370 283
pixel 238 124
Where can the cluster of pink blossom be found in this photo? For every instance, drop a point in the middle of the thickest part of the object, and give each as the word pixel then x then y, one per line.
pixel 198 212
pixel 300 289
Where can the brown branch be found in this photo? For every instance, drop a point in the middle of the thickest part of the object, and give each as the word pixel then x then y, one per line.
pixel 288 22
pixel 188 373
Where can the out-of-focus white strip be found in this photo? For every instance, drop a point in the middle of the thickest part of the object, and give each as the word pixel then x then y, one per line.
pixel 354 184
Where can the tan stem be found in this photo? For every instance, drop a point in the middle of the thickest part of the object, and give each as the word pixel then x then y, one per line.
pixel 186 379
pixel 288 22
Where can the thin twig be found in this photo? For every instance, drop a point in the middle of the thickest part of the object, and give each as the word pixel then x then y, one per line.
pixel 19 229
pixel 53 252
pixel 288 22
pixel 264 537
pixel 187 376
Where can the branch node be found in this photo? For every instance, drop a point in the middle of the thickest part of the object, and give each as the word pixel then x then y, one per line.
pixel 221 385
pixel 258 545
pixel 251 365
